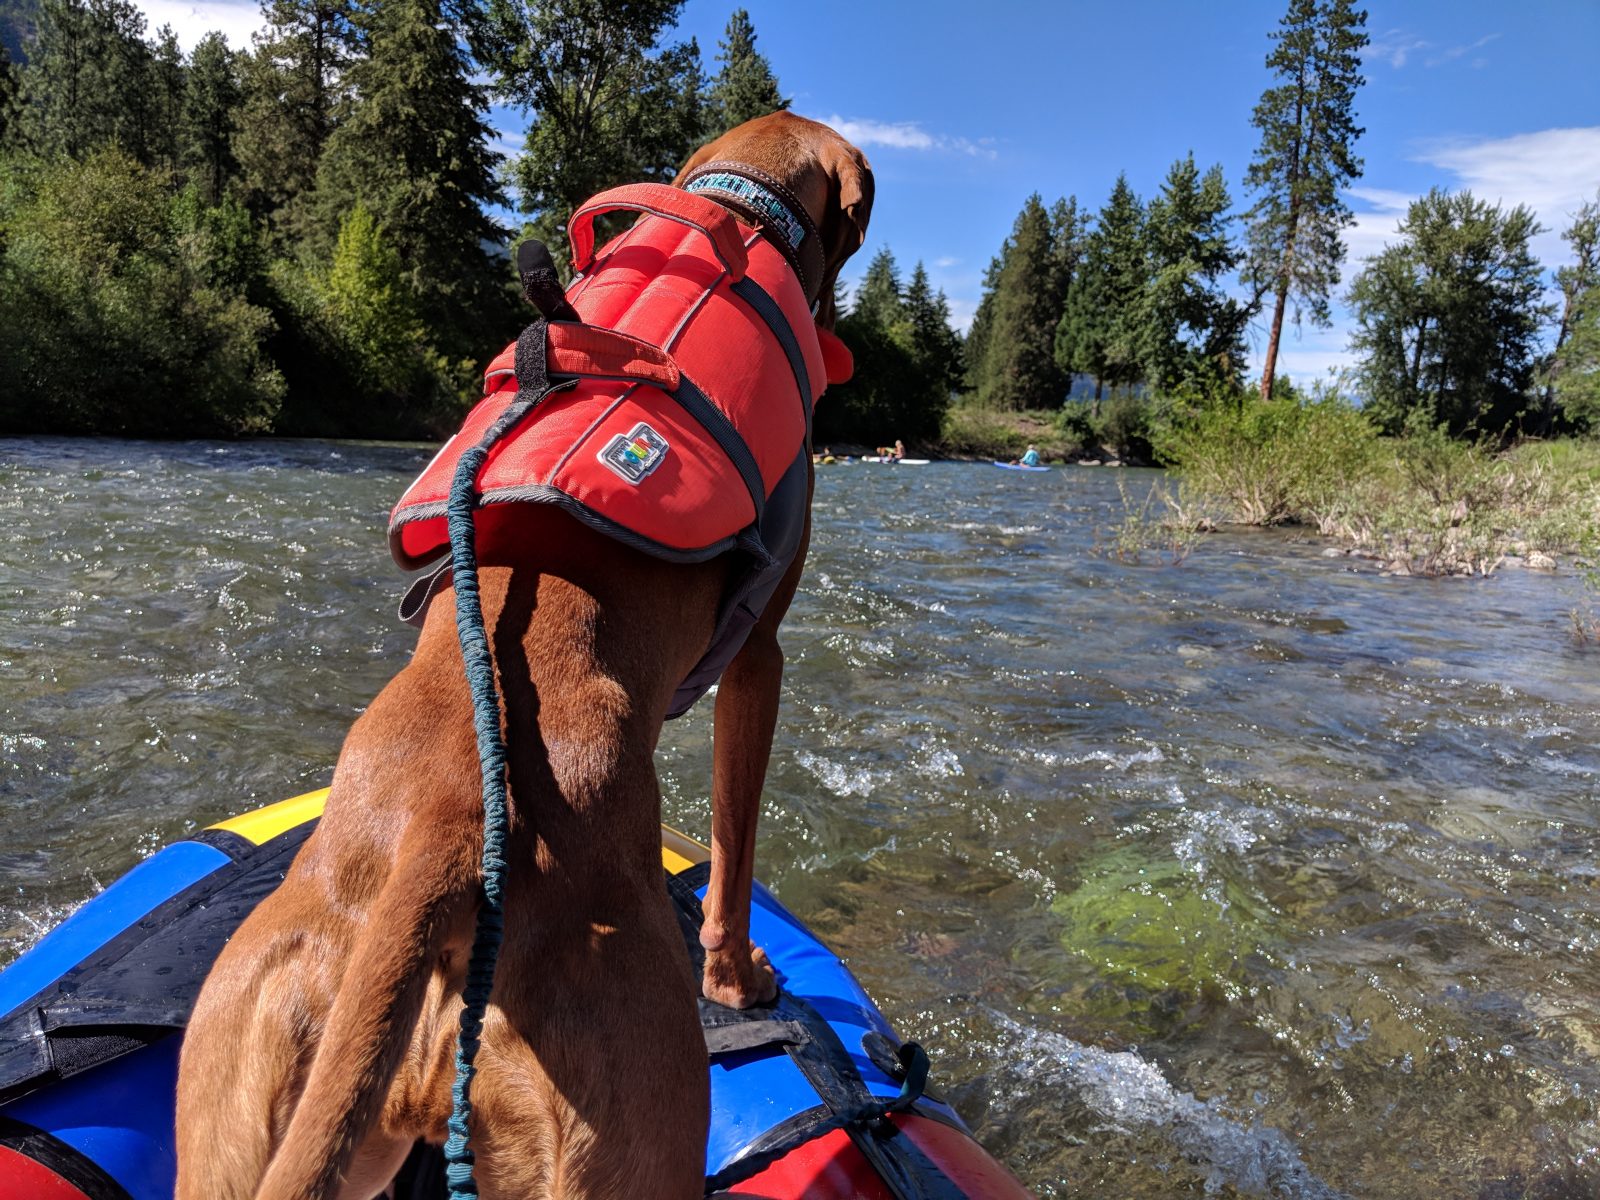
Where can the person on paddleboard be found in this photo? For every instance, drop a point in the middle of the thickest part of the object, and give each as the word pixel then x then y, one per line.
pixel 1030 459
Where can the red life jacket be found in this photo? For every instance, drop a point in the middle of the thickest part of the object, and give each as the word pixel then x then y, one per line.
pixel 685 429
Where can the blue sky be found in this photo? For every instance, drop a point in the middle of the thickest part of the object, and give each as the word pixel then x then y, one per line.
pixel 964 109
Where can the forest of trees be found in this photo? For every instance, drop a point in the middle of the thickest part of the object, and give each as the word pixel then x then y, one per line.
pixel 296 237
pixel 299 236
pixel 1150 302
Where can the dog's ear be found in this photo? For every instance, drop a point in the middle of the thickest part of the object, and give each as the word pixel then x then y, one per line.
pixel 850 193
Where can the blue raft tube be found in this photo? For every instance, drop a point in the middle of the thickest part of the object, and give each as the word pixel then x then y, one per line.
pixel 93 1017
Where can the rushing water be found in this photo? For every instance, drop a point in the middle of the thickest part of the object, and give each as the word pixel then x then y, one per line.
pixel 1256 875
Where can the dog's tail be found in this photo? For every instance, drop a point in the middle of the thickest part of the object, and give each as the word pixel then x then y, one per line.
pixel 373 1015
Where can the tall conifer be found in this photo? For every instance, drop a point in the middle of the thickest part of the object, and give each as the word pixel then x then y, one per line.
pixel 87 80
pixel 210 117
pixel 745 87
pixel 935 346
pixel 1104 331
pixel 414 152
pixel 295 88
pixel 1019 368
pixel 605 109
pixel 1306 155
pixel 878 299
pixel 1195 333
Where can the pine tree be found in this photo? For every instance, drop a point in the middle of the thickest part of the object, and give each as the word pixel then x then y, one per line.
pixel 414 152
pixel 935 346
pixel 1104 331
pixel 1574 372
pixel 295 93
pixel 1306 155
pixel 1019 366
pixel 1068 234
pixel 976 345
pixel 1448 317
pixel 745 87
pixel 168 80
pixel 1196 331
pixel 878 298
pixel 8 94
pixel 87 82
pixel 211 103
pixel 606 110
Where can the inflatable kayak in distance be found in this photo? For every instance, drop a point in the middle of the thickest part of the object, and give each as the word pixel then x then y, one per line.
pixel 812 1096
pixel 1010 466
pixel 890 460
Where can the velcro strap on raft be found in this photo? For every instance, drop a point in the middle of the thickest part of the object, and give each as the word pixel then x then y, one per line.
pixel 710 218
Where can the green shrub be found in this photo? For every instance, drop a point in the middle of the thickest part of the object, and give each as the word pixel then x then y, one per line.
pixel 111 321
pixel 1263 464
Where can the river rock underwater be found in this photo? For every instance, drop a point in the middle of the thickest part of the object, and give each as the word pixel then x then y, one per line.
pixel 1257 875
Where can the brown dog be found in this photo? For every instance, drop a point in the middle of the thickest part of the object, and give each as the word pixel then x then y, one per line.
pixel 322 1043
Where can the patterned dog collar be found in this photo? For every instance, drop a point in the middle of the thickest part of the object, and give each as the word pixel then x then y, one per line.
pixel 771 207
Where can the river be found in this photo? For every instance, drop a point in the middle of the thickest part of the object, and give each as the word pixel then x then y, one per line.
pixel 1261 874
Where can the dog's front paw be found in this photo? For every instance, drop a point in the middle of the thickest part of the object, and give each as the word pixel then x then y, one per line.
pixel 739 977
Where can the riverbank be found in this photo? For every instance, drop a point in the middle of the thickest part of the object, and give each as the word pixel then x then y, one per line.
pixel 1421 504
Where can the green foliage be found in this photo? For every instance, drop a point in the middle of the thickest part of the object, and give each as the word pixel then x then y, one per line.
pixel 90 80
pixel 102 268
pixel 1019 368
pixel 1195 336
pixel 1448 317
pixel 295 89
pixel 1104 330
pixel 1306 156
pixel 745 88
pixel 414 152
pixel 212 96
pixel 606 109
pixel 907 362
pixel 1573 376
pixel 1270 462
pixel 9 83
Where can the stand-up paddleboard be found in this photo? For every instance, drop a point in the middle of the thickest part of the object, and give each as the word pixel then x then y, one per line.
pixel 91 1019
pixel 1010 466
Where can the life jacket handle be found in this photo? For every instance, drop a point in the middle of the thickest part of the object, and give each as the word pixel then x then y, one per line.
pixel 686 208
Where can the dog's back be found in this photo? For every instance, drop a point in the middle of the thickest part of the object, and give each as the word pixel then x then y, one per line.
pixel 350 974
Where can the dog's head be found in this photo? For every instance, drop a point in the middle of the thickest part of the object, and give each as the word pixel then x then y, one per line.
pixel 825 173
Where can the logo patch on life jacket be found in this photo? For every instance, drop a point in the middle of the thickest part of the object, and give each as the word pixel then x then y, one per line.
pixel 635 454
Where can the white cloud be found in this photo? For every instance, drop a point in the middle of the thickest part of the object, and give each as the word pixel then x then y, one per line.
pixel 191 20
pixel 1552 171
pixel 1450 54
pixel 946 261
pixel 903 135
pixel 1396 46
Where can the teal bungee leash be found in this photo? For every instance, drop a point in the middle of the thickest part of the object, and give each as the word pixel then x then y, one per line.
pixel 542 287
pixel 479 661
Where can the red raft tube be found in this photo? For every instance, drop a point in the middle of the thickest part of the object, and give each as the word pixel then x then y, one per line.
pixel 812 1097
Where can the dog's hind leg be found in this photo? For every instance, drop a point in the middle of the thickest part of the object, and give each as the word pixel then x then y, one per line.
pixel 428 900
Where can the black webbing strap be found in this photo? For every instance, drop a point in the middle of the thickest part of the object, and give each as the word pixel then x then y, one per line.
pixel 768 310
pixel 698 405
pixel 811 1043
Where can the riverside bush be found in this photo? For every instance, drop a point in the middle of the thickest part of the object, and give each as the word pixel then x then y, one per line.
pixel 1421 503
pixel 114 314
pixel 1264 464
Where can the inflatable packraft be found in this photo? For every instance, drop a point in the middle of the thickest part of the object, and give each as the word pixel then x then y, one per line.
pixel 669 405
pixel 93 1016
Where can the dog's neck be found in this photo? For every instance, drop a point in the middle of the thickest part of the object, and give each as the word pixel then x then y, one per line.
pixel 763 201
